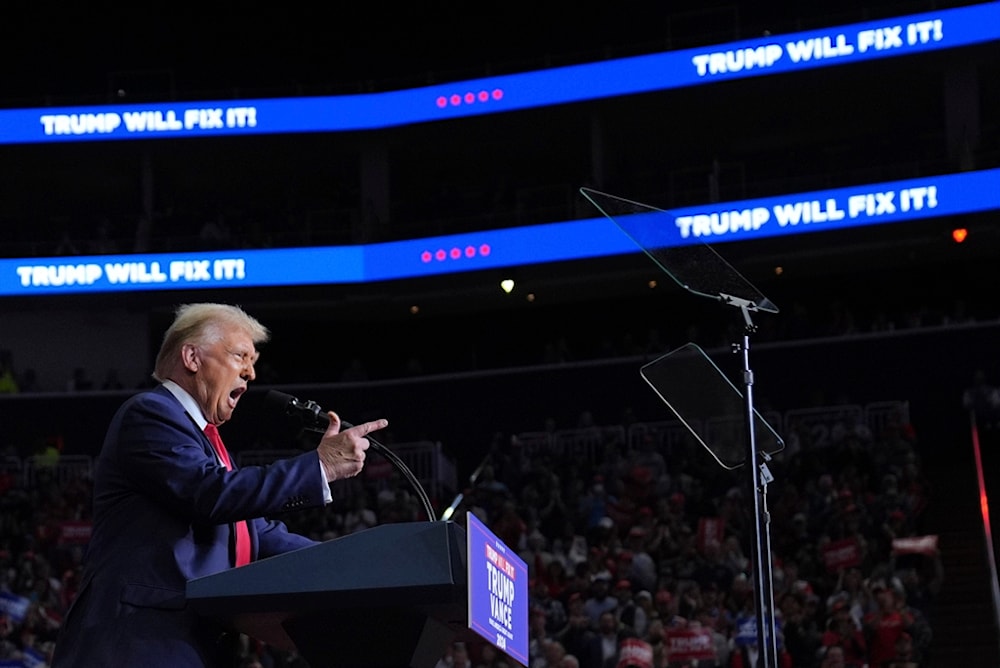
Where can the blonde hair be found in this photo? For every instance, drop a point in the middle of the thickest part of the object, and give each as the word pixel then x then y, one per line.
pixel 201 323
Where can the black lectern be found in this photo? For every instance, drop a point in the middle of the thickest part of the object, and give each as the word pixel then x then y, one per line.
pixel 394 595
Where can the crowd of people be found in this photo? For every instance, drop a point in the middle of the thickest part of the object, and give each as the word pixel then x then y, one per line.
pixel 642 559
pixel 638 552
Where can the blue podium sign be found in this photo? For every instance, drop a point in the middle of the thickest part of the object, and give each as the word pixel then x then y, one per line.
pixel 498 592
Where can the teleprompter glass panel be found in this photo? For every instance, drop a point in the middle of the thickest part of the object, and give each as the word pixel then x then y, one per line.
pixel 696 266
pixel 709 405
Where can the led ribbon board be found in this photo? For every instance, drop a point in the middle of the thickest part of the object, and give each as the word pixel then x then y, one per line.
pixel 819 211
pixel 945 29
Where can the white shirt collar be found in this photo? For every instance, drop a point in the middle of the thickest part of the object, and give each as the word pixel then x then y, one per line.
pixel 188 402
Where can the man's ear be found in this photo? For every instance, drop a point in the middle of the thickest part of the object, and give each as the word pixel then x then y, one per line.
pixel 191 357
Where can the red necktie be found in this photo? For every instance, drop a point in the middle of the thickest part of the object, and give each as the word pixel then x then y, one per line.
pixel 242 533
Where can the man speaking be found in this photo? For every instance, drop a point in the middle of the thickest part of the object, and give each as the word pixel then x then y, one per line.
pixel 169 506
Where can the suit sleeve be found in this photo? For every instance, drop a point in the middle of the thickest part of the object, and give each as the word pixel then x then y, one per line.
pixel 166 455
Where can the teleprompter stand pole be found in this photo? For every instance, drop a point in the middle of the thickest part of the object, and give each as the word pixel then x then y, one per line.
pixel 758 477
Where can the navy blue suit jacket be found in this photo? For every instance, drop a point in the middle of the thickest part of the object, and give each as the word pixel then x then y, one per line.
pixel 163 508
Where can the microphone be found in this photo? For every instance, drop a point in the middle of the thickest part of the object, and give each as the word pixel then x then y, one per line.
pixel 313 418
pixel 309 413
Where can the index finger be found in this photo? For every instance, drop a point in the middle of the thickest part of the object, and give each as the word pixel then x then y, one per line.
pixel 368 427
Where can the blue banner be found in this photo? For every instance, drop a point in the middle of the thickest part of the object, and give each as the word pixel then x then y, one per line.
pixel 820 211
pixel 15 607
pixel 944 29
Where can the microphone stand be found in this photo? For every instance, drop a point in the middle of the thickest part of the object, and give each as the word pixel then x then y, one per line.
pixel 398 464
pixel 314 420
pixel 457 501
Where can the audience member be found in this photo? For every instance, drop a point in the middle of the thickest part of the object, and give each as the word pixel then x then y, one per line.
pixel 8 375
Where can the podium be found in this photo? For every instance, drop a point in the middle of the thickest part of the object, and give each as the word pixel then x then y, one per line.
pixel 394 595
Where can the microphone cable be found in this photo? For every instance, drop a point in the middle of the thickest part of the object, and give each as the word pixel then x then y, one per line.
pixel 315 420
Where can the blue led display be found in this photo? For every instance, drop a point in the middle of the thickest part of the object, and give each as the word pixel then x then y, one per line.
pixel 821 211
pixel 945 29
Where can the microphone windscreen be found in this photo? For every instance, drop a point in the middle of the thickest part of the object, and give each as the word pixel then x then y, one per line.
pixel 278 401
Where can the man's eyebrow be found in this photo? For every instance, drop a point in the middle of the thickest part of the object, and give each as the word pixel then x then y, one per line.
pixel 239 350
